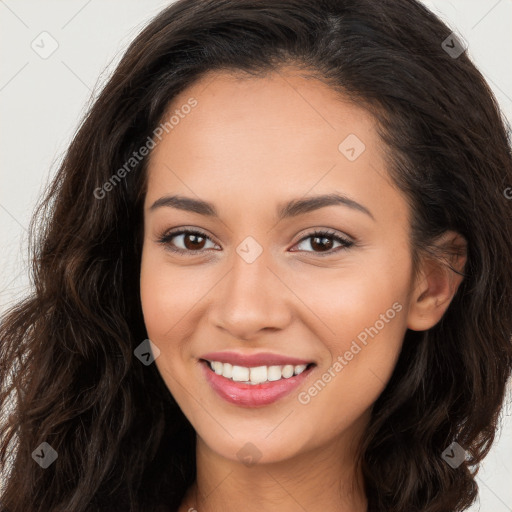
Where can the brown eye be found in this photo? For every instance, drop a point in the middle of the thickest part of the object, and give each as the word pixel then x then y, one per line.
pixel 185 241
pixel 192 241
pixel 323 241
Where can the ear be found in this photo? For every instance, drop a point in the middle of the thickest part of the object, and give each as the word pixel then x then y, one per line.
pixel 436 283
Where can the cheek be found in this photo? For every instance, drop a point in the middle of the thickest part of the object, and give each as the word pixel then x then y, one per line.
pixel 159 294
pixel 363 356
pixel 349 301
pixel 162 310
pixel 155 295
pixel 171 299
pixel 167 295
pixel 364 310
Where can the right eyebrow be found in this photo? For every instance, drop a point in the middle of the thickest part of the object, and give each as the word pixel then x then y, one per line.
pixel 186 203
pixel 292 208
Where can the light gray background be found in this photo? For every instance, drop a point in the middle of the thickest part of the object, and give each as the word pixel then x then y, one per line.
pixel 42 100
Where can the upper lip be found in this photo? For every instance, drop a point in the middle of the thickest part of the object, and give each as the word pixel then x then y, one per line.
pixel 251 360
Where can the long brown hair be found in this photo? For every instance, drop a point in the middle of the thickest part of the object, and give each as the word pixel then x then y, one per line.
pixel 66 351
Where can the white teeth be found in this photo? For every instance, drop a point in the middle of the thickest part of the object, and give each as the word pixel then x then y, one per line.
pixel 274 373
pixel 256 374
pixel 217 367
pixel 239 373
pixel 287 371
pixel 228 370
pixel 300 368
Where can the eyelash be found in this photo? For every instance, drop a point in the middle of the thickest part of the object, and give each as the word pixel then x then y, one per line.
pixel 167 237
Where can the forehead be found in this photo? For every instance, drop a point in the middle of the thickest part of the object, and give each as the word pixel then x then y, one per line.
pixel 251 139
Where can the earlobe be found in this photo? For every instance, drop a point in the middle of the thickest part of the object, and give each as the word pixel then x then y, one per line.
pixel 437 282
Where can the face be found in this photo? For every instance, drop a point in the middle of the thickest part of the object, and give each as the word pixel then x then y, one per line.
pixel 265 270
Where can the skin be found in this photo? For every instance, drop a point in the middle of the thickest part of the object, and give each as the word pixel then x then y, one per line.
pixel 248 146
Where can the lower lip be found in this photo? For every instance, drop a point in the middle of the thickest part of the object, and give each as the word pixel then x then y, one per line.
pixel 252 395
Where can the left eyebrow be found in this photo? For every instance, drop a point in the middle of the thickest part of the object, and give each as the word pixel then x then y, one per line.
pixel 292 208
pixel 300 206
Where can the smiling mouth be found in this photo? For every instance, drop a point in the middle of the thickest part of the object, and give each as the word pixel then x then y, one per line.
pixel 255 375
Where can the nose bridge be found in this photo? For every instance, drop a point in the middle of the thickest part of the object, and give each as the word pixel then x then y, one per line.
pixel 248 282
pixel 251 297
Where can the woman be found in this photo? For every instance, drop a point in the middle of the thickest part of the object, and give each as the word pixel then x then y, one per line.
pixel 271 363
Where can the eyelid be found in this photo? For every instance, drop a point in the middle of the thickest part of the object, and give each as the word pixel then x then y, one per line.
pixel 345 241
pixel 165 238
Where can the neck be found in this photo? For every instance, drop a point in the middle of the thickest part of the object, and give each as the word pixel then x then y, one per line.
pixel 324 479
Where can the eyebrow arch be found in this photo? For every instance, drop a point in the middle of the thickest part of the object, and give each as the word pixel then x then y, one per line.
pixel 300 206
pixel 292 208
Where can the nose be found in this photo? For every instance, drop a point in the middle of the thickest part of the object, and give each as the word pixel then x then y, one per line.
pixel 251 299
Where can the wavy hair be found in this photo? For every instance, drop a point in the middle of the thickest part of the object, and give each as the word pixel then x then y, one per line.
pixel 69 376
